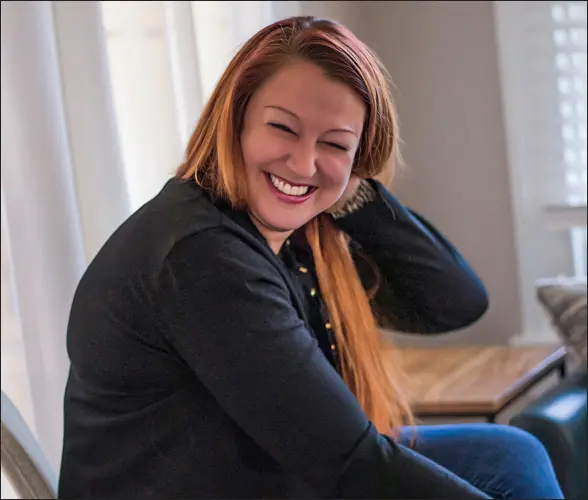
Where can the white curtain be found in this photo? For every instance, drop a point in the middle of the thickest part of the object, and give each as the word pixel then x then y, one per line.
pixel 62 191
pixel 165 59
pixel 98 102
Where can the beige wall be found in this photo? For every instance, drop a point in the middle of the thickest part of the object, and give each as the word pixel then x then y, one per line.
pixel 348 13
pixel 443 61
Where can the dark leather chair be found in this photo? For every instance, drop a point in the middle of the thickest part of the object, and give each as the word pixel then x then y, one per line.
pixel 558 419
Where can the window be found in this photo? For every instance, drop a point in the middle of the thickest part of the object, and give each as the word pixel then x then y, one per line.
pixel 542 64
pixel 569 40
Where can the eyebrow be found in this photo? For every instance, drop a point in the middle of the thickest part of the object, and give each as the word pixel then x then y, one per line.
pixel 291 113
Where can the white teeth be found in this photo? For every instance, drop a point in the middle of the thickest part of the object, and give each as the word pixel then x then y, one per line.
pixel 288 189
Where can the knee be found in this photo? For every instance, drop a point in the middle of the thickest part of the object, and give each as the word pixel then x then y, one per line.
pixel 519 444
pixel 524 455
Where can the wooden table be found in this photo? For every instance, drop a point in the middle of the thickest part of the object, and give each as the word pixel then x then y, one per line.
pixel 475 381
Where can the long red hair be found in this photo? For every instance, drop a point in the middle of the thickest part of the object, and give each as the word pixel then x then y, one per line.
pixel 214 160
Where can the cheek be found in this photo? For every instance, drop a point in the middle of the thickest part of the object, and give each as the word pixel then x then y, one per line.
pixel 335 173
pixel 260 148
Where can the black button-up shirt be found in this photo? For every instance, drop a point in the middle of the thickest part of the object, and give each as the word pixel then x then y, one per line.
pixel 204 366
pixel 303 274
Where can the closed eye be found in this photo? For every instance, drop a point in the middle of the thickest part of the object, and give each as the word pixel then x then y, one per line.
pixel 288 130
pixel 279 126
pixel 336 146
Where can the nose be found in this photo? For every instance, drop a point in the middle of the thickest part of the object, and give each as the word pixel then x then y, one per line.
pixel 302 161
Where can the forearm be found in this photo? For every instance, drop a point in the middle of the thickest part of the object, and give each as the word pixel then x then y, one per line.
pixel 426 285
pixel 398 472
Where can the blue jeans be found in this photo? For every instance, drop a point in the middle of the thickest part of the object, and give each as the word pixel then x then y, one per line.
pixel 499 460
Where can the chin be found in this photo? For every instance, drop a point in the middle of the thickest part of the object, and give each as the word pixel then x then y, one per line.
pixel 281 220
pixel 284 224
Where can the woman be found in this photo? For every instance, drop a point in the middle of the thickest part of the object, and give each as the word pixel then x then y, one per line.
pixel 223 343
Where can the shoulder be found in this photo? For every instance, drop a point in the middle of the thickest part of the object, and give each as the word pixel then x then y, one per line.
pixel 218 279
pixel 180 218
pixel 225 253
pixel 179 229
pixel 200 234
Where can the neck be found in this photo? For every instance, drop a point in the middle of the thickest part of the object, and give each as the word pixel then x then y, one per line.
pixel 275 238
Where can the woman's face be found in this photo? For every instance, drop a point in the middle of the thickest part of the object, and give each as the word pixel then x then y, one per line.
pixel 300 135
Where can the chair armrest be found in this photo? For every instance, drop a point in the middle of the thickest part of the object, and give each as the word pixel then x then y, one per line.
pixel 558 419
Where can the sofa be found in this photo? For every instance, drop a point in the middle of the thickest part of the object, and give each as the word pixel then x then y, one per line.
pixel 558 419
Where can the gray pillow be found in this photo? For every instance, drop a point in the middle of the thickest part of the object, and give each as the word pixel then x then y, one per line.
pixel 565 301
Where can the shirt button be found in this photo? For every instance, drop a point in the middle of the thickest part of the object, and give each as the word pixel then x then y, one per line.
pixel 312 292
pixel 303 269
pixel 328 326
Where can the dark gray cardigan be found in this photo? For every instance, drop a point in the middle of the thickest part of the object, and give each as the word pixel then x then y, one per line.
pixel 203 365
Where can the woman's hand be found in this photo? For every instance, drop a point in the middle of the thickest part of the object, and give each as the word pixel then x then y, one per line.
pixel 350 190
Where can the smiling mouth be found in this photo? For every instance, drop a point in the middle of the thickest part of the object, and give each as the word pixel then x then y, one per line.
pixel 290 189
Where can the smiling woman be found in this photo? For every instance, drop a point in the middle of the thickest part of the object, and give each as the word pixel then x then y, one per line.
pixel 306 86
pixel 224 342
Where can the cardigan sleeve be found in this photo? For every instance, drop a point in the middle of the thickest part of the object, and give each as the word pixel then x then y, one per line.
pixel 227 312
pixel 426 286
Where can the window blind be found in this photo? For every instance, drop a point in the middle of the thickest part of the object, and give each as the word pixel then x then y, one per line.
pixel 569 42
